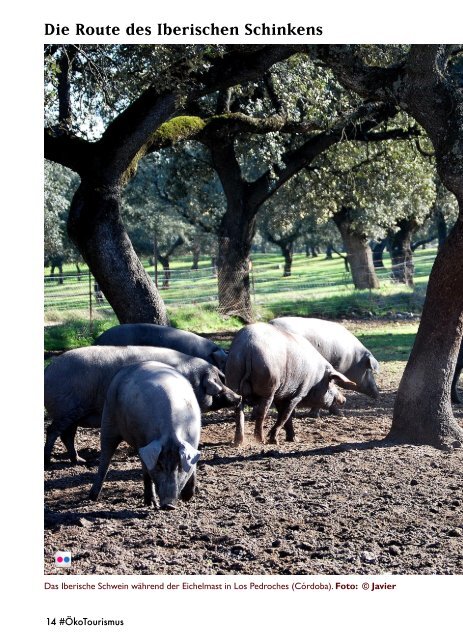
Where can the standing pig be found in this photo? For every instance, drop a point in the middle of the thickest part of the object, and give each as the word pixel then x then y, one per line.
pixel 154 335
pixel 458 368
pixel 267 365
pixel 76 383
pixel 340 347
pixel 153 408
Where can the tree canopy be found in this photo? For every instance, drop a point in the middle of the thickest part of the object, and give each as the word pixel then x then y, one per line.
pixel 265 113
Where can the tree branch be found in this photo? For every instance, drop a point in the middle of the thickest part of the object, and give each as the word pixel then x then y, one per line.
pixel 371 82
pixel 131 134
pixel 67 149
pixel 355 127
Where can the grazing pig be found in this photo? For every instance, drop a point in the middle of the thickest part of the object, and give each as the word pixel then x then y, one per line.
pixel 76 383
pixel 154 335
pixel 153 408
pixel 340 347
pixel 267 365
pixel 458 368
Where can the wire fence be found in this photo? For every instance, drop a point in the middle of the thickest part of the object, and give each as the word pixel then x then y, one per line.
pixel 181 287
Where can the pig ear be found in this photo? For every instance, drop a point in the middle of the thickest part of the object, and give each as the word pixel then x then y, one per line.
pixel 371 362
pixel 150 454
pixel 342 381
pixel 189 456
pixel 211 387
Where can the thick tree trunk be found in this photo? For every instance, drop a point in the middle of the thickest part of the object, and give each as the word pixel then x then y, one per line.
pixel 196 251
pixel 234 286
pixel 165 262
pixel 235 235
pixel 165 259
pixel 311 250
pixel 95 226
pixel 287 250
pixel 378 251
pixel 422 411
pixel 57 263
pixel 358 252
pixel 441 228
pixel 401 253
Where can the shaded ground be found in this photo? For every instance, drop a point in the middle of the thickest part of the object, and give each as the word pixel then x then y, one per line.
pixel 338 501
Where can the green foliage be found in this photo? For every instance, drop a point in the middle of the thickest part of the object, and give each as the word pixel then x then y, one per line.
pixel 107 78
pixel 59 185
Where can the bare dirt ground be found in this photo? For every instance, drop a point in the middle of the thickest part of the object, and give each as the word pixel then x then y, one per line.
pixel 338 501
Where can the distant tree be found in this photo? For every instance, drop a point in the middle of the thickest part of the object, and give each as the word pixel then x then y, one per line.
pixel 426 82
pixel 289 217
pixel 59 185
pixel 370 191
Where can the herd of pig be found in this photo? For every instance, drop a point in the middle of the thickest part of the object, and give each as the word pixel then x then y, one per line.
pixel 147 385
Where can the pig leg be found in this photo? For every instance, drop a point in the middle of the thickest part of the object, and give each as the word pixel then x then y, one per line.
pixel 148 493
pixel 56 429
pixel 336 411
pixel 289 429
pixel 239 421
pixel 108 447
pixel 288 426
pixel 314 412
pixel 261 410
pixel 68 438
pixel 188 490
pixel 455 396
pixel 285 411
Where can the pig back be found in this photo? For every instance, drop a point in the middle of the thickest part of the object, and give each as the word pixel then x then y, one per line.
pixel 161 336
pixel 80 377
pixel 149 401
pixel 333 341
pixel 264 361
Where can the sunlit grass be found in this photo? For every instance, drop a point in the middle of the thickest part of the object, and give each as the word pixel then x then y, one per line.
pixel 317 287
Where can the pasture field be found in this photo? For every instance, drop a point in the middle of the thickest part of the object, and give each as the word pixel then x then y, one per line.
pixel 317 287
pixel 340 500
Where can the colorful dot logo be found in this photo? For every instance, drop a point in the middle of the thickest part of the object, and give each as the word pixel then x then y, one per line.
pixel 63 559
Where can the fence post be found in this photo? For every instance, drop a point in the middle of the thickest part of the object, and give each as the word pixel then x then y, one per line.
pixel 155 251
pixel 90 300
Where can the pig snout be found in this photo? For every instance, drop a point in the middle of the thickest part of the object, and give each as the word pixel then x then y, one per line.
pixel 233 398
pixel 168 500
pixel 227 398
pixel 168 506
pixel 370 390
pixel 373 391
pixel 339 400
pixel 367 385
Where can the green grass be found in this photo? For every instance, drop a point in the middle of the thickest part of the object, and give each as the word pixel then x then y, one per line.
pixel 201 319
pixel 389 341
pixel 317 287
pixel 74 333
